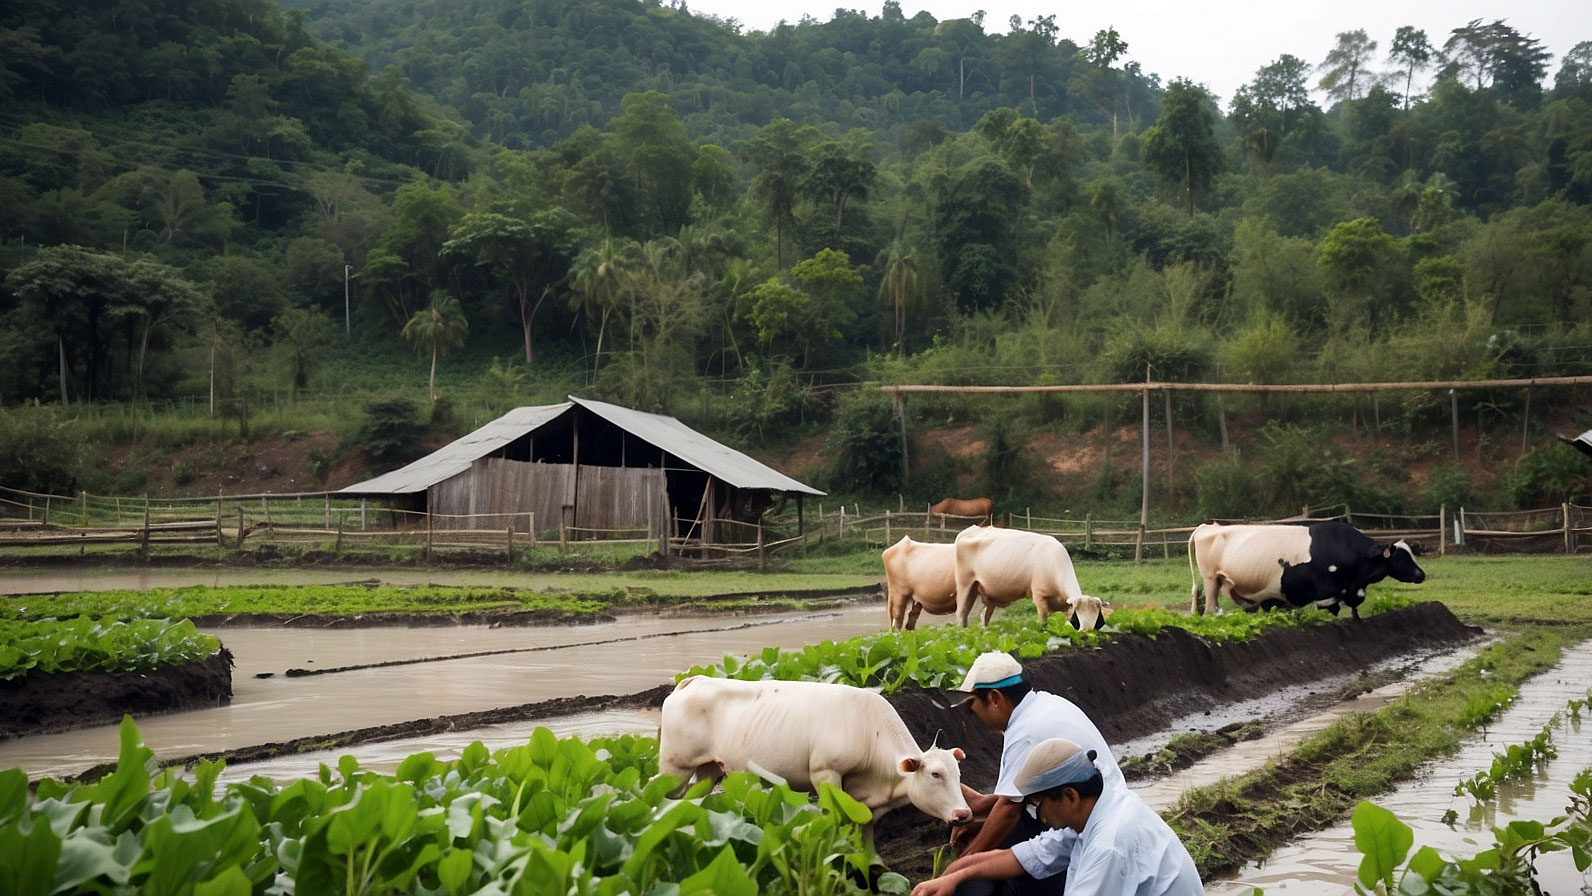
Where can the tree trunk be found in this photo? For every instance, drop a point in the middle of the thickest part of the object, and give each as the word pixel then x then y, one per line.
pixel 60 344
pixel 527 310
pixel 431 384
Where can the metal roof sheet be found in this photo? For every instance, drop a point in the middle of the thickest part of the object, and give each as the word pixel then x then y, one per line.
pixel 694 448
pixel 661 431
pixel 454 458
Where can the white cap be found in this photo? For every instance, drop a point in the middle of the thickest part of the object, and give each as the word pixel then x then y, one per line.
pixel 991 670
pixel 1052 763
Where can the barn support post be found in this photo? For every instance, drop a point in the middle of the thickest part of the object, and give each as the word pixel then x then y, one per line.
pixel 762 552
pixel 1171 448
pixel 900 403
pixel 1525 424
pixel 1144 470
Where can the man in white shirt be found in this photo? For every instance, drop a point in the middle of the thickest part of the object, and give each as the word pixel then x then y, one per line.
pixel 1003 700
pixel 1123 847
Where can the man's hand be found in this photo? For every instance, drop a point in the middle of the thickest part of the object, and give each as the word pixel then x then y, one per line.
pixel 939 886
pixel 963 834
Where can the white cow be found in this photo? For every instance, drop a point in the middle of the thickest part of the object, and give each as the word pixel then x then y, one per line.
pixel 918 576
pixel 807 732
pixel 1003 565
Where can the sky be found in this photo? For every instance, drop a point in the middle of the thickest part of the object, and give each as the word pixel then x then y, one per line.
pixel 1219 45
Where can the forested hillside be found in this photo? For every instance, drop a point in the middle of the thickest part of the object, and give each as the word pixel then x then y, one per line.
pixel 471 204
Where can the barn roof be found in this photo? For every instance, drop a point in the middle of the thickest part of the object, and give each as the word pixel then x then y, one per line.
pixel 664 432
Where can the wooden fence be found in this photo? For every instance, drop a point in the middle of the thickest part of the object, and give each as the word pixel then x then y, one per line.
pixel 45 524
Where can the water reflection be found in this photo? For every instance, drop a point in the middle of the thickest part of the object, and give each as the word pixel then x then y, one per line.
pixel 1326 862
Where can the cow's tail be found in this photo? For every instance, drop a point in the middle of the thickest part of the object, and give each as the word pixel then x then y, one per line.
pixel 1194 573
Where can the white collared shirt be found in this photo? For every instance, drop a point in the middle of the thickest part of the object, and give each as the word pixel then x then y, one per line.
pixel 1041 716
pixel 1125 850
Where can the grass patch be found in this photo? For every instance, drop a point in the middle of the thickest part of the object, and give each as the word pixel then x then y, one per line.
pixel 1240 820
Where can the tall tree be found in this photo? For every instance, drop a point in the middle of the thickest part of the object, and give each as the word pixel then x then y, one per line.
pixel 778 151
pixel 437 329
pixel 1413 52
pixel 899 284
pixel 1345 76
pixel 1181 148
pixel 533 254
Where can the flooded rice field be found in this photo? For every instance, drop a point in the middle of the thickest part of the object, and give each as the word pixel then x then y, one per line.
pixel 432 675
pixel 1325 863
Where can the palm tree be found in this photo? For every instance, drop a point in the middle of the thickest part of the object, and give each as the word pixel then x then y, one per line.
pixel 899 283
pixel 599 278
pixel 437 329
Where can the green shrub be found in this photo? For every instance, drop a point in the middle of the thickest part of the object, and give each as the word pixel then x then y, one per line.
pixel 1549 475
pixel 1448 486
pixel 1225 489
pixel 865 446
pixel 390 435
pixel 41 450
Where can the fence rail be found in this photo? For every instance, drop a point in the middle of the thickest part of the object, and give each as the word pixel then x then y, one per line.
pixel 30 521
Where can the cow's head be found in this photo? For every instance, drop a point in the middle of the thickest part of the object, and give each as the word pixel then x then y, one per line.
pixel 1087 613
pixel 1401 563
pixel 934 784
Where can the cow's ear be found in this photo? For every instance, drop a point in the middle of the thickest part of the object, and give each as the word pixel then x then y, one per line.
pixel 957 752
pixel 1387 553
pixel 910 764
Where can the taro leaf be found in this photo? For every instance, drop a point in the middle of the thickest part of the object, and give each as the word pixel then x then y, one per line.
pixel 1383 840
pixel 1427 864
pixel 123 791
pixel 724 876
pixel 892 883
pixel 13 794
pixel 453 870
pixel 87 854
pixel 230 882
pixel 835 800
pixel 28 860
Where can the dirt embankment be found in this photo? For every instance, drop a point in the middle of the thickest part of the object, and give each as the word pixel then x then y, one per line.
pixel 40 704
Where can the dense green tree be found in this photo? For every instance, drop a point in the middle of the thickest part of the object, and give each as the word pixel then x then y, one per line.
pixel 1181 148
pixel 1413 52
pixel 532 254
pixel 976 217
pixel 304 333
pixel 779 153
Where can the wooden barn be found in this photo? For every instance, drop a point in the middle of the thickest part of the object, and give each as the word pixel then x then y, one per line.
pixel 588 465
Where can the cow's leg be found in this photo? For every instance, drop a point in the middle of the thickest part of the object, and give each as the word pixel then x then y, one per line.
pixel 912 615
pixel 989 609
pixel 964 601
pixel 1213 593
pixel 1042 604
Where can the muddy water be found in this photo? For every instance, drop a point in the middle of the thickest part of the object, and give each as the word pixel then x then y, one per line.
pixel 1326 862
pixel 622 657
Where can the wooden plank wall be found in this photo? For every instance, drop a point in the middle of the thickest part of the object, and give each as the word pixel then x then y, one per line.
pixel 621 498
pixel 494 488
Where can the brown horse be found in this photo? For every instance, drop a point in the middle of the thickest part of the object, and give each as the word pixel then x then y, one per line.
pixel 969 507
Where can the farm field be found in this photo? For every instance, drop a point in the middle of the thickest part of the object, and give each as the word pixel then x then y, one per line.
pixel 1500 593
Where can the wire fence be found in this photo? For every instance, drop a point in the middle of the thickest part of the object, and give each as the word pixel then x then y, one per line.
pixel 45 525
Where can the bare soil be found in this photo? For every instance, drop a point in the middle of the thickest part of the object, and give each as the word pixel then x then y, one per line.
pixel 40 704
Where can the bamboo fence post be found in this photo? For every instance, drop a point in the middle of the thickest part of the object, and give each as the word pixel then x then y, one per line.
pixel 240 526
pixel 510 539
pixel 532 527
pixel 1565 508
pixel 762 554
pixel 1088 529
pixel 328 511
pixel 886 527
pixel 265 511
pixel 428 534
pixel 1442 530
pixel 337 546
pixel 219 542
pixel 83 499
pixel 143 541
pixel 46 520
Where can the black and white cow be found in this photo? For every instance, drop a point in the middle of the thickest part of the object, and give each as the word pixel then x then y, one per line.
pixel 1265 566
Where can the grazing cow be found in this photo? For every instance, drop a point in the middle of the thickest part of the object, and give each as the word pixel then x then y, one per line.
pixel 1267 566
pixel 807 732
pixel 918 576
pixel 968 507
pixel 1003 565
